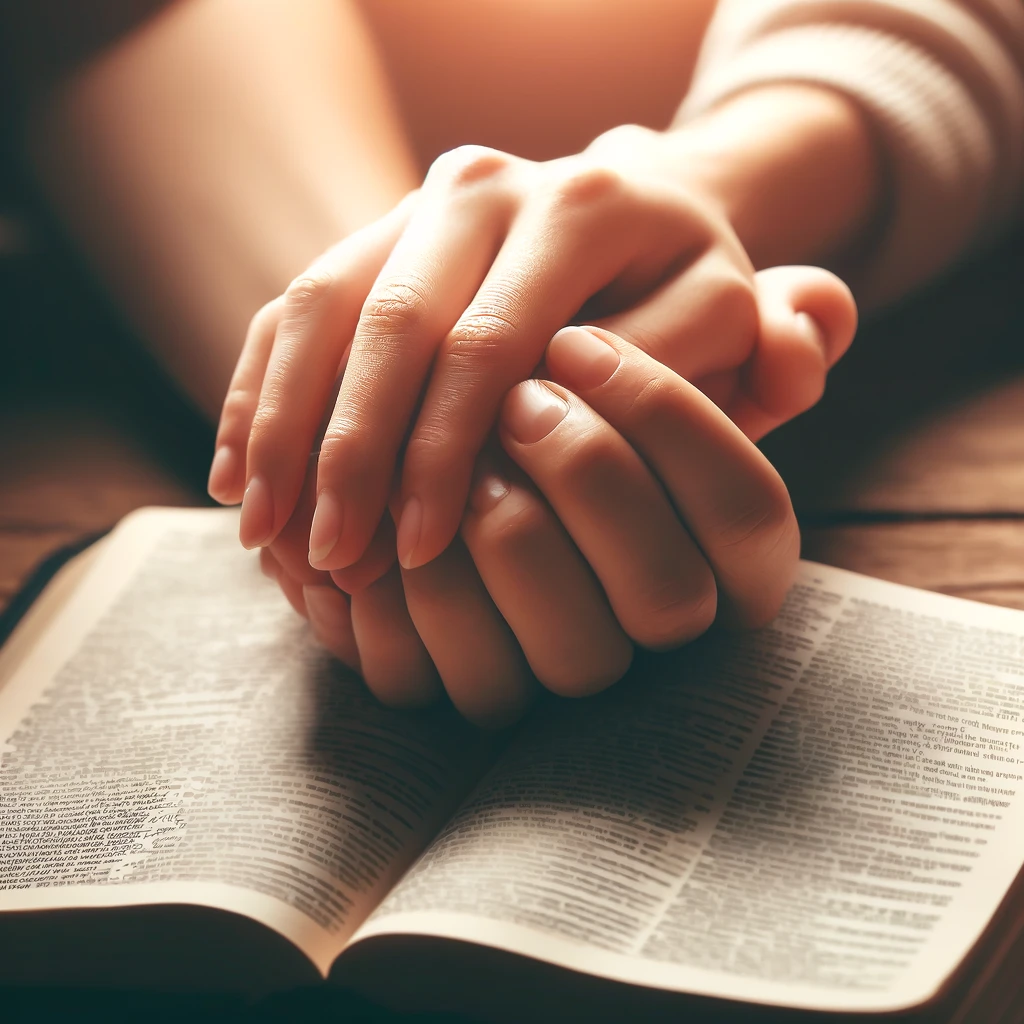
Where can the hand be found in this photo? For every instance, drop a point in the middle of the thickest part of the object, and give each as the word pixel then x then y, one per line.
pixel 464 283
pixel 627 541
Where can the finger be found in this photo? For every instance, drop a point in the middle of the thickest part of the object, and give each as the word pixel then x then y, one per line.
pixel 376 560
pixel 330 616
pixel 727 493
pixel 476 654
pixel 807 320
pixel 292 544
pixel 290 547
pixel 658 583
pixel 429 278
pixel 542 586
pixel 318 315
pixel 395 664
pixel 311 593
pixel 290 587
pixel 548 266
pixel 702 320
pixel 227 470
pixel 269 565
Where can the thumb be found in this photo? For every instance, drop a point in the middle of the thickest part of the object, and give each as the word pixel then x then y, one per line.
pixel 807 319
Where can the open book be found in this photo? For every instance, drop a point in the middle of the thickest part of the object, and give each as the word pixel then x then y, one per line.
pixel 827 814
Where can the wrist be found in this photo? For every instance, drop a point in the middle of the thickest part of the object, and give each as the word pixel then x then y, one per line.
pixel 794 168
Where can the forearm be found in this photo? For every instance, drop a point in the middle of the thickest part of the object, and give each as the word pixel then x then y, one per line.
pixel 795 169
pixel 937 87
pixel 206 159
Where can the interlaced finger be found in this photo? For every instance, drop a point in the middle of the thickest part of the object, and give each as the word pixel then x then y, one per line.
pixel 430 276
pixel 227 471
pixel 566 245
pixel 317 319
pixel 730 497
pixel 542 585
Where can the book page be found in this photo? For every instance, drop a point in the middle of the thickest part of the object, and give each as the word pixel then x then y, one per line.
pixel 174 735
pixel 824 814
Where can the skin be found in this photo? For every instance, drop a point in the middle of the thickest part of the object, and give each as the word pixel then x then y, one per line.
pixel 616 506
pixel 197 197
pixel 708 202
pixel 469 278
pixel 330 111
pixel 679 285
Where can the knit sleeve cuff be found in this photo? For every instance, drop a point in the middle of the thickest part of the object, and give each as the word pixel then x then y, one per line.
pixel 940 158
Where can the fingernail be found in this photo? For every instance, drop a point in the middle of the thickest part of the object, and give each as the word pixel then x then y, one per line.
pixel 531 411
pixel 407 539
pixel 325 529
pixel 223 469
pixel 488 490
pixel 580 359
pixel 257 517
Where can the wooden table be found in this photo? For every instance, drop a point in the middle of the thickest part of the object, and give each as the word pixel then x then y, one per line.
pixel 88 428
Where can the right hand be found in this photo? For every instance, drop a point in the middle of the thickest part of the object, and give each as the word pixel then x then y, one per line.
pixel 648 513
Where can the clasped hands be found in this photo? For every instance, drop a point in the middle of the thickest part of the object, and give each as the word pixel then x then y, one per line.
pixel 560 493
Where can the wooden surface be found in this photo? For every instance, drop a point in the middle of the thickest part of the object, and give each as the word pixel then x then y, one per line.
pixel 88 428
pixel 911 469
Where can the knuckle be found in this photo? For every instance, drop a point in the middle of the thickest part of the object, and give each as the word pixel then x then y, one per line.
pixel 765 522
pixel 657 401
pixel 267 442
pixel 515 528
pixel 595 454
pixel 673 615
pixel 308 289
pixel 429 446
pixel 264 421
pixel 481 332
pixel 732 307
pixel 238 408
pixel 341 446
pixel 397 306
pixel 345 460
pixel 743 526
pixel 265 317
pixel 469 165
pixel 586 184
pixel 583 676
pixel 623 138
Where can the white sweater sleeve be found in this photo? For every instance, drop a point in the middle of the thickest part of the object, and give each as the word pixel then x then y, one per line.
pixel 941 82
